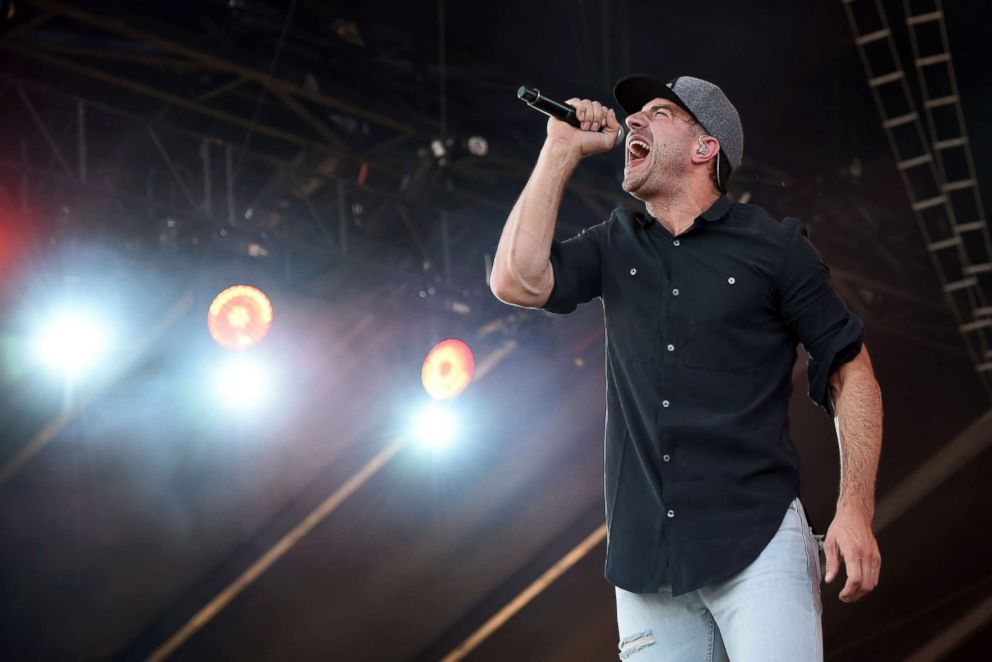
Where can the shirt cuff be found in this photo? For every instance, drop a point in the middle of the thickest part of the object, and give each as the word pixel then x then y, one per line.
pixel 843 346
pixel 557 303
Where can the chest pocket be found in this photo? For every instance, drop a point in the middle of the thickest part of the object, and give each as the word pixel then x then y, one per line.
pixel 632 305
pixel 727 316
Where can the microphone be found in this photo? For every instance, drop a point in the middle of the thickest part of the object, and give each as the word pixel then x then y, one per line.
pixel 560 111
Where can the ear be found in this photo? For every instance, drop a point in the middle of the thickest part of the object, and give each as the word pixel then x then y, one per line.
pixel 705 149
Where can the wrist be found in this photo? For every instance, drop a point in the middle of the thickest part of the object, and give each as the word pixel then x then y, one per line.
pixel 857 507
pixel 561 153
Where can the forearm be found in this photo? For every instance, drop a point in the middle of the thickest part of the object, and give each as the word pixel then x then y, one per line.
pixel 858 419
pixel 521 268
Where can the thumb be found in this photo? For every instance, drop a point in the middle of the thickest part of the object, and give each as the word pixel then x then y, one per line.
pixel 611 129
pixel 833 559
pixel 611 120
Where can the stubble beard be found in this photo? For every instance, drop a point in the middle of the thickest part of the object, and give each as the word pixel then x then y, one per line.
pixel 660 176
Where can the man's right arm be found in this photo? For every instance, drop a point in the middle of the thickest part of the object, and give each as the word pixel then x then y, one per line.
pixel 522 273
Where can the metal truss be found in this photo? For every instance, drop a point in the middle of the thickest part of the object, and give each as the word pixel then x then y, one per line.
pixel 342 170
pixel 127 54
pixel 328 204
pixel 93 166
pixel 160 62
pixel 956 233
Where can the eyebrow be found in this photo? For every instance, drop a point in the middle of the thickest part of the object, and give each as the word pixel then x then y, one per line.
pixel 661 106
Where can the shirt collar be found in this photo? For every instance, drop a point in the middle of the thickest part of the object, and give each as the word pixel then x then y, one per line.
pixel 716 211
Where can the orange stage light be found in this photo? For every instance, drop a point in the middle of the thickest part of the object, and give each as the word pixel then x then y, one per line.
pixel 448 369
pixel 240 317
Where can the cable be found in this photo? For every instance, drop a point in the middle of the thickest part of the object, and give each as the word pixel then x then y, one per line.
pixel 442 70
pixel 261 95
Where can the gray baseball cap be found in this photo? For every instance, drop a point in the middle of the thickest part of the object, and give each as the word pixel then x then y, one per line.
pixel 702 99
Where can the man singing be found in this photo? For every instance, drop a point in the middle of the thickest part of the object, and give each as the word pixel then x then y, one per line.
pixel 705 300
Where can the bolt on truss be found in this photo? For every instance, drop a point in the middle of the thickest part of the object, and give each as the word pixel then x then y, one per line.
pixel 936 170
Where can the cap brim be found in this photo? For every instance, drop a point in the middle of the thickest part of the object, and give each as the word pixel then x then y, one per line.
pixel 632 92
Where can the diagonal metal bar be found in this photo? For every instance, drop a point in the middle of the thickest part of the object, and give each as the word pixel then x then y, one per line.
pixel 940 466
pixel 277 551
pixel 320 127
pixel 120 27
pixel 221 90
pixel 319 221
pixel 560 567
pixel 304 527
pixel 953 636
pixel 172 166
pixel 28 25
pixel 111 54
pixel 175 100
pixel 40 125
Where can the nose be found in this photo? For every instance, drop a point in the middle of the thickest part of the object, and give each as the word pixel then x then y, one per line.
pixel 636 121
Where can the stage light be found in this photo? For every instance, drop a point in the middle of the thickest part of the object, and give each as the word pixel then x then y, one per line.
pixel 477 146
pixel 448 369
pixel 241 383
pixel 435 427
pixel 239 317
pixel 72 341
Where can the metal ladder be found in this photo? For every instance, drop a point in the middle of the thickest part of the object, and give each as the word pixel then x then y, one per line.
pixel 935 166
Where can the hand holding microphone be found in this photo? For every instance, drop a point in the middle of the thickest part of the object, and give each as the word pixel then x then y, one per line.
pixel 582 124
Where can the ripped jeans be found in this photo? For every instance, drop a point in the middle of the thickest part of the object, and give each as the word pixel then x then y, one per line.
pixel 768 612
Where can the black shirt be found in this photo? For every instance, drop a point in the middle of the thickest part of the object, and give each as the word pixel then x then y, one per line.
pixel 701 335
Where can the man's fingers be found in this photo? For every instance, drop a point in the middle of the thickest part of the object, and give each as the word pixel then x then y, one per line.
pixel 869 563
pixel 857 576
pixel 598 116
pixel 577 103
pixel 850 542
pixel 833 562
pixel 852 591
pixel 873 565
pixel 581 109
pixel 592 115
pixel 592 118
pixel 611 120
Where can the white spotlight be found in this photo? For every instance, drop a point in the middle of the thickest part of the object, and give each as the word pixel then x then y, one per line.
pixel 435 427
pixel 72 341
pixel 241 383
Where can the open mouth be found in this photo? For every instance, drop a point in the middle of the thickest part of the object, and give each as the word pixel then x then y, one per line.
pixel 637 151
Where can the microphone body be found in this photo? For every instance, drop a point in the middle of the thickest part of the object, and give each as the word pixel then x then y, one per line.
pixel 560 111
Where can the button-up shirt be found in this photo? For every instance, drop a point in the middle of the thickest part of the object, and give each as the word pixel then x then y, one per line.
pixel 701 337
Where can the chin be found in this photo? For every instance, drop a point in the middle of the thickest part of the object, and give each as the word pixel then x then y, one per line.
pixel 634 186
pixel 630 183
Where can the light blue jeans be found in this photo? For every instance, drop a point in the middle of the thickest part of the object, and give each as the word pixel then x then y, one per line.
pixel 768 612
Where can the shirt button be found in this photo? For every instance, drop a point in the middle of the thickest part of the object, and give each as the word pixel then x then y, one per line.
pixel 675 292
pixel 671 348
pixel 671 514
pixel 666 457
pixel 665 403
pixel 633 272
pixel 676 242
pixel 731 280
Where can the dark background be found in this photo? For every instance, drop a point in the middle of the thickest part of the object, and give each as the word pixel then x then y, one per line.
pixel 146 499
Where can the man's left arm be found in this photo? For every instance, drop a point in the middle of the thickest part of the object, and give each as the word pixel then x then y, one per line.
pixel 857 404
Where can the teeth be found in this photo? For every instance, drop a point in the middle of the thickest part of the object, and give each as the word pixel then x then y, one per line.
pixel 637 148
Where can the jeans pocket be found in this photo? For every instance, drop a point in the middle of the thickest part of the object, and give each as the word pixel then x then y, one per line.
pixel 813 546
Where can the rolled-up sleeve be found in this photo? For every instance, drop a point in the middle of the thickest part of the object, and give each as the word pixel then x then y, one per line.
pixel 577 267
pixel 816 315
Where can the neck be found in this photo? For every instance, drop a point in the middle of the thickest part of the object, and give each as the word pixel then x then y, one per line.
pixel 678 212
